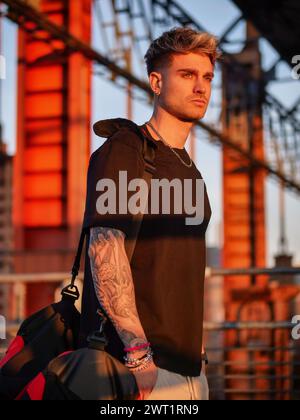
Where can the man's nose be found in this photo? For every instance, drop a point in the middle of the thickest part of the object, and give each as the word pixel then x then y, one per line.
pixel 200 87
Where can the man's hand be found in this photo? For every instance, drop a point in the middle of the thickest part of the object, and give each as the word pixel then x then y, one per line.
pixel 146 380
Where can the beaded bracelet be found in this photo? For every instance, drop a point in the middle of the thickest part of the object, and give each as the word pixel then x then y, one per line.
pixel 142 365
pixel 131 361
pixel 137 362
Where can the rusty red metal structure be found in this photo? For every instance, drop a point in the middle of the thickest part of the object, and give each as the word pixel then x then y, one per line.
pixel 53 143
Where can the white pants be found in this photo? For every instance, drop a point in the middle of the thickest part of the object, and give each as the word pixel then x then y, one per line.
pixel 172 386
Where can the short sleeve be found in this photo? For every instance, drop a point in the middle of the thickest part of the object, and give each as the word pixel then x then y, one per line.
pixel 118 154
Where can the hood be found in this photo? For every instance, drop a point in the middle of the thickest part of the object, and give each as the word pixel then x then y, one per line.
pixel 107 128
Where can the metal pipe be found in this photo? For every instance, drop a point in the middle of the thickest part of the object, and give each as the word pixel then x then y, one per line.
pixel 223 326
pixel 213 272
pixel 210 272
pixel 36 278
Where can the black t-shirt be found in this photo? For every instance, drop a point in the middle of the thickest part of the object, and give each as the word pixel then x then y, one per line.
pixel 168 264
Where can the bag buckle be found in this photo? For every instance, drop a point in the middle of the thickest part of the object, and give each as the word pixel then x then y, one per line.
pixel 70 292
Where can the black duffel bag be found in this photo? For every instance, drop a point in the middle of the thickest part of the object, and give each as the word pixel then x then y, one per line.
pixel 86 374
pixel 42 337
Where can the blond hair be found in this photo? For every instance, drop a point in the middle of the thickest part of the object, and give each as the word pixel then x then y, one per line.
pixel 180 41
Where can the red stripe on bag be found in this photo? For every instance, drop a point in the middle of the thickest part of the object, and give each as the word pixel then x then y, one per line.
pixel 20 396
pixel 16 346
pixel 36 388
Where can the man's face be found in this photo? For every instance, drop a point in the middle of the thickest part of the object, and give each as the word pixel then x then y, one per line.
pixel 188 79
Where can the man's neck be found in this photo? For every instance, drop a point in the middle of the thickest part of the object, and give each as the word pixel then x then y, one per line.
pixel 172 130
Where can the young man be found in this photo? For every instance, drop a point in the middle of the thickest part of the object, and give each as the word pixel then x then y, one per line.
pixel 154 305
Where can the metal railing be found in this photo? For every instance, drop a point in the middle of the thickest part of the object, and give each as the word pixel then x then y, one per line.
pixel 261 370
pixel 255 360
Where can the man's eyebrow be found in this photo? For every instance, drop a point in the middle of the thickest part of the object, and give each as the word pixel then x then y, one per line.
pixel 190 70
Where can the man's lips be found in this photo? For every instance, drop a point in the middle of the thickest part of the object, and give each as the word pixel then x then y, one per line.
pixel 201 102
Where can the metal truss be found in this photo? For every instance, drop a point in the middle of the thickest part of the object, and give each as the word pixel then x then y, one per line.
pixel 121 42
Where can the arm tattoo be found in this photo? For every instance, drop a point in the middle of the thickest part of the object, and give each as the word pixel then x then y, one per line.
pixel 114 284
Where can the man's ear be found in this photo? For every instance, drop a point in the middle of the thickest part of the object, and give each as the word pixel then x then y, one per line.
pixel 155 82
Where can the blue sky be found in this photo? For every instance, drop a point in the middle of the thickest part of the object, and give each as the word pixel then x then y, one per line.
pixel 110 102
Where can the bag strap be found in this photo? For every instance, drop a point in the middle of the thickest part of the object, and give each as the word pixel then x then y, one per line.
pixel 130 243
pixel 149 171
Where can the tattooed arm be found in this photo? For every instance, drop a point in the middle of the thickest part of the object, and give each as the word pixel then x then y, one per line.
pixel 114 284
pixel 115 291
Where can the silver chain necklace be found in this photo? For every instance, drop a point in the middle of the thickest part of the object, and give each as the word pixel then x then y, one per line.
pixel 188 165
